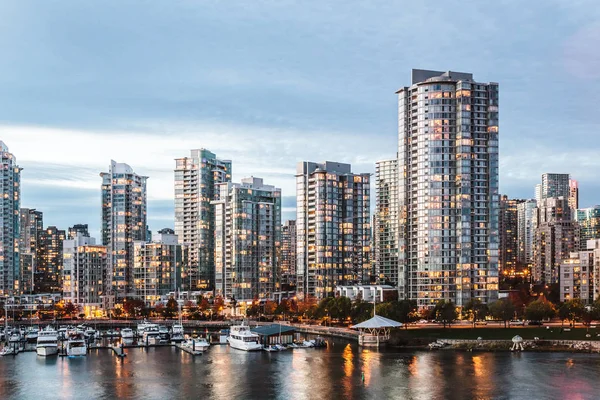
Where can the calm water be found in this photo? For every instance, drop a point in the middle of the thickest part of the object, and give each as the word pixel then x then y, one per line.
pixel 223 373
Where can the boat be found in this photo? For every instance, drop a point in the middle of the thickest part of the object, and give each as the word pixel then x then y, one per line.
pixel 15 337
pixel 197 344
pixel 242 338
pixel 280 347
pixel 76 345
pixel 89 333
pixel 127 333
pixel 7 351
pixel 307 343
pixel 271 348
pixel 163 332
pixel 111 333
pixel 31 335
pixel 177 333
pixel 145 324
pixel 47 342
pixel 151 335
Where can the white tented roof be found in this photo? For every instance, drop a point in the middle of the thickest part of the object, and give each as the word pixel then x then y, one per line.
pixel 377 322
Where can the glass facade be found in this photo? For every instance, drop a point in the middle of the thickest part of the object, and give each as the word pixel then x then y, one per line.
pixel 247 239
pixel 589 225
pixel 10 184
pixel 386 221
pixel 49 261
pixel 526 230
pixel 448 188
pixel 197 180
pixel 287 270
pixel 509 234
pixel 333 228
pixel 32 224
pixel 123 222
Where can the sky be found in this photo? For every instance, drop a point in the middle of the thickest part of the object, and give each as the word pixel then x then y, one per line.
pixel 270 83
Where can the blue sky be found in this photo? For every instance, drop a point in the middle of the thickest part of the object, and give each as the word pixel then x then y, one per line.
pixel 268 84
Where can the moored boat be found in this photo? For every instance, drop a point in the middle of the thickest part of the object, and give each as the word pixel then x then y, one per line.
pixel 242 338
pixel 47 342
pixel 76 345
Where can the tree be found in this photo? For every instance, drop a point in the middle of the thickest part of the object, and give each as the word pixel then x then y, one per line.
pixel 70 309
pixel 475 310
pixel 283 307
pixel 203 304
pixel 159 309
pixel 132 306
pixel 307 306
pixel 361 311
pixel 445 312
pixel 539 309
pixel 270 307
pixel 502 310
pixel 171 308
pixel 571 310
pixel 117 312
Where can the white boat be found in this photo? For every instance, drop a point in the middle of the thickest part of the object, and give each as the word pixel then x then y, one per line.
pixel 141 328
pixel 76 346
pixel 197 344
pixel 151 335
pixel 241 338
pixel 127 333
pixel 280 347
pixel 15 337
pixel 164 333
pixel 89 333
pixel 7 351
pixel 177 333
pixel 271 349
pixel 31 335
pixel 47 342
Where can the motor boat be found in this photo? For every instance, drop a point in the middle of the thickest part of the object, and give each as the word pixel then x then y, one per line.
pixel 7 351
pixel 177 333
pixel 76 346
pixel 127 333
pixel 145 324
pixel 89 333
pixel 242 338
pixel 47 342
pixel 197 344
pixel 31 335
pixel 111 333
pixel 271 349
pixel 151 335
pixel 163 333
pixel 15 337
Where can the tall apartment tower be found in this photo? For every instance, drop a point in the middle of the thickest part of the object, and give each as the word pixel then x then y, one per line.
pixel 287 269
pixel 333 228
pixel 509 233
pixel 157 266
pixel 49 263
pixel 448 188
pixel 386 228
pixel 32 224
pixel 589 225
pixel 197 179
pixel 10 183
pixel 123 222
pixel 526 231
pixel 559 185
pixel 85 268
pixel 556 236
pixel 247 239
pixel 78 229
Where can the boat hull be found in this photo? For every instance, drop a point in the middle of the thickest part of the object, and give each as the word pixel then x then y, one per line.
pixel 245 346
pixel 46 351
pixel 77 352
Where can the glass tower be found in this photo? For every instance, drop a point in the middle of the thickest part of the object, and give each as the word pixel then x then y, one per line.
pixel 32 224
pixel 386 227
pixel 448 188
pixel 123 222
pixel 197 180
pixel 10 183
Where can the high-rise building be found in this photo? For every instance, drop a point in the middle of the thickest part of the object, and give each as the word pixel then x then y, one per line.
pixel 123 223
pixel 78 229
pixel 287 269
pixel 196 184
pixel 573 195
pixel 448 188
pixel 49 260
pixel 526 231
pixel 10 183
pixel 589 225
pixel 247 239
pixel 556 237
pixel 555 185
pixel 85 268
pixel 580 274
pixel 157 266
pixel 509 229
pixel 386 226
pixel 333 228
pixel 32 224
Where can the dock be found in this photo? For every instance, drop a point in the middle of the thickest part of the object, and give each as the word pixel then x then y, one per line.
pixel 188 350
pixel 119 351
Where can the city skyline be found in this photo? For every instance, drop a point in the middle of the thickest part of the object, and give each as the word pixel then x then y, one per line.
pixel 61 115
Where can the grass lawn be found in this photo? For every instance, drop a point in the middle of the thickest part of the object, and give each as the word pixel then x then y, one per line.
pixel 554 333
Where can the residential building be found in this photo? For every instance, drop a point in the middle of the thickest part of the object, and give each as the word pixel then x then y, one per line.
pixel 579 274
pixel 85 270
pixel 333 228
pixel 10 184
pixel 78 229
pixel 157 266
pixel 368 293
pixel 32 224
pixel 526 231
pixel 49 260
pixel 197 180
pixel 589 224
pixel 123 223
pixel 559 185
pixel 556 237
pixel 509 238
pixel 287 269
pixel 448 188
pixel 573 195
pixel 386 222
pixel 247 239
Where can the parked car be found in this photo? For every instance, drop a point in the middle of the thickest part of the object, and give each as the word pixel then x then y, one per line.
pixel 535 323
pixel 480 322
pixel 517 322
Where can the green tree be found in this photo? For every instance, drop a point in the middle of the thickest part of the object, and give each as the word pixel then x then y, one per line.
pixel 475 311
pixel 70 309
pixel 539 309
pixel 171 308
pixel 283 307
pixel 572 310
pixel 361 311
pixel 502 310
pixel 445 312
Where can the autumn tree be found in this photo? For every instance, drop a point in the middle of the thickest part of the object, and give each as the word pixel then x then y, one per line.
pixel 502 310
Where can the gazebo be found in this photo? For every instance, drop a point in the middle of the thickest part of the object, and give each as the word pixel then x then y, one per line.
pixel 375 331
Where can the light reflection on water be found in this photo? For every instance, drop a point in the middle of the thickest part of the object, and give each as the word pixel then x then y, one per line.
pixel 336 372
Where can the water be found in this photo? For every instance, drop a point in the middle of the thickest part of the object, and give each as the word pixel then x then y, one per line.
pixel 336 372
